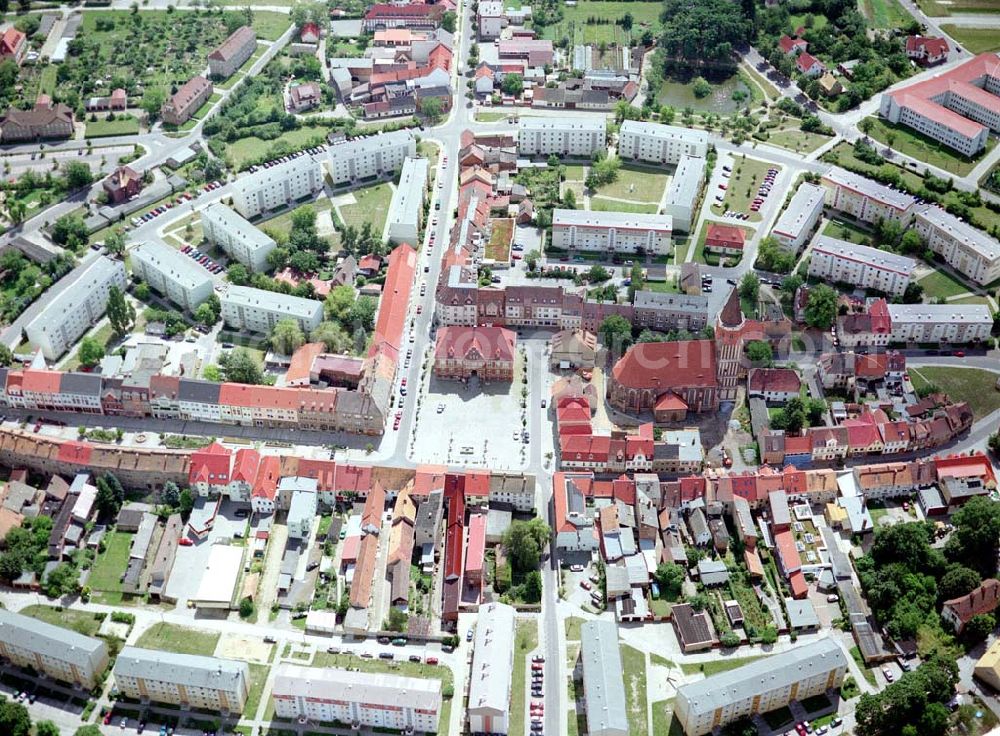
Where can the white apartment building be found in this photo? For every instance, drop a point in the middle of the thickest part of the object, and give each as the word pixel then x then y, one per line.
pixel 59 653
pixel 683 191
pixel 603 684
pixel 576 137
pixel 406 210
pixel 257 310
pixel 187 680
pixel 658 143
pixel 178 277
pixel 967 249
pixel 865 199
pixel 491 19
pixel 366 158
pixel 364 699
pixel 269 189
pixel 239 238
pixel 799 219
pixel 859 265
pixel 80 302
pixel 613 232
pixel 937 323
pixel 490 676
pixel 761 686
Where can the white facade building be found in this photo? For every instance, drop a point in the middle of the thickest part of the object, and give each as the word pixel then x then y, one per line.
pixel 179 277
pixel 865 199
pixel 269 189
pixel 407 207
pixel 490 676
pixel 937 323
pixel 615 232
pixel 968 250
pixel 564 136
pixel 304 494
pixel 364 699
pixel 80 303
pixel 683 191
pixel 187 680
pixel 257 310
pixel 491 19
pixel 799 219
pixel 59 653
pixel 237 237
pixel 365 158
pixel 603 684
pixel 859 265
pixel 658 143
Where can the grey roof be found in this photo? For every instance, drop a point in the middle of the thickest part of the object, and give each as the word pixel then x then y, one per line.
pixel 778 501
pixel 81 384
pixel 602 677
pixel 202 392
pixel 801 614
pixel 873 257
pixel 490 675
pixel 213 673
pixel 47 640
pixel 681 302
pixel 143 537
pixel 713 572
pixel 869 188
pixel 770 673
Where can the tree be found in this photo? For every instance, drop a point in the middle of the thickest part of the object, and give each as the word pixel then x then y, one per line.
pixel 760 353
pixel 598 274
pixel 6 355
pixel 362 314
pixel 339 302
pixel 205 314
pixel 121 314
pixel 246 608
pixel 287 337
pixel 866 125
pixel 110 495
pixel 46 728
pixel 791 417
pixel 91 351
pixel 240 366
pixel 14 719
pixel 769 635
pixel 531 259
pixel 513 85
pixel 171 494
pixel 821 307
pixel 994 441
pixel 957 581
pixel 152 100
pixel 750 287
pixel 616 333
pixel 523 542
pixel 976 537
pixel 333 337
pixel 88 730
pixel 114 243
pixel 70 230
pixel 979 627
pixel 669 576
pixel 701 87
pixel 914 293
pixel 729 640
pixel 449 21
pixel 432 108
pixel 237 274
pixel 186 503
pixel 78 174
pixel 532 590
pixel 397 620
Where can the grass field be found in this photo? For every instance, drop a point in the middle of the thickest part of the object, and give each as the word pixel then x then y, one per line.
pixel 258 677
pixel 748 175
pixel 372 205
pixel 798 140
pixel 715 666
pixel 81 622
pixel 941 285
pixel 664 722
pixel 847 231
pixel 958 7
pixel 573 625
pixel 885 13
pixel 634 672
pixel 124 125
pixel 172 638
pixel 637 184
pixel 602 204
pixel 574 23
pixel 860 662
pixel 525 640
pixel 270 25
pixel 245 151
pixel 975 40
pixel 910 143
pixel 975 385
pixel 500 239
pixel 110 565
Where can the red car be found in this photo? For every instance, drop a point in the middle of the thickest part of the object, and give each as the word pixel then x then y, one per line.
pixel 432 660
pixel 107 718
pixel 185 542
pixel 959 353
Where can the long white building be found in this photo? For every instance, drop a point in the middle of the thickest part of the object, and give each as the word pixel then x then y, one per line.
pixel 59 653
pixel 658 143
pixel 178 277
pixel 800 217
pixel 938 323
pixel 407 207
pixel 77 306
pixel 257 310
pixel 761 686
pixel 968 250
pixel 865 199
pixel 364 699
pixel 859 265
pixel 683 191
pixel 577 137
pixel 236 236
pixel 187 680
pixel 603 684
pixel 614 232
pixel 492 665
pixel 366 158
pixel 269 189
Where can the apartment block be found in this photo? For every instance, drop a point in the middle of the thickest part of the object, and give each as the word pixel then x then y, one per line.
pixel 859 265
pixel 603 684
pixel 234 51
pixel 185 103
pixel 406 210
pixel 937 323
pixel 269 189
pixel 488 708
pixel 362 699
pixel 658 143
pixel 257 310
pixel 187 680
pixel 799 219
pixel 59 653
pixel 178 277
pixel 614 232
pixel 236 236
pixel 80 302
pixel 968 250
pixel 367 158
pixel 490 19
pixel 761 686
pixel 576 137
pixel 683 192
pixel 865 199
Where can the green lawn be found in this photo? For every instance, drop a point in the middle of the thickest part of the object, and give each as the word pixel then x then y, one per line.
pixel 258 677
pixel 634 672
pixel 664 723
pixel 664 287
pixel 748 175
pixel 575 172
pixel 958 7
pixel 574 24
pixel 976 40
pixel 715 666
pixel 81 622
pixel 123 125
pixel 525 640
pixel 245 151
pixel 911 143
pixel 848 231
pixel 601 204
pixel 885 13
pixel 371 205
pixel 269 24
pixel 110 565
pixel 573 624
pixel 941 285
pixel 975 385
pixel 172 638
pixel 860 662
pixel 798 140
pixel 637 184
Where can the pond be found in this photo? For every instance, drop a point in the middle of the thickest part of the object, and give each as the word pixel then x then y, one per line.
pixel 681 94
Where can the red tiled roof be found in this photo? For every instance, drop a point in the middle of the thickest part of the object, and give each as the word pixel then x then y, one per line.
pixel 805 61
pixel 670 402
pixel 302 360
pixel 965 466
pixel 475 547
pixel 477 483
pixel 395 296
pixel 788 553
pixel 784 380
pixel 686 363
pixel 798 445
pixel 797 582
pixel 455 537
pixel 931 45
pixel 265 484
pixel 323 471
pixel 353 478
pixel 77 453
pixel 726 236
pixel 984 599
pixel 41 381
pixel 211 465
pixel 11 42
pixel 245 465
pixel 475 343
